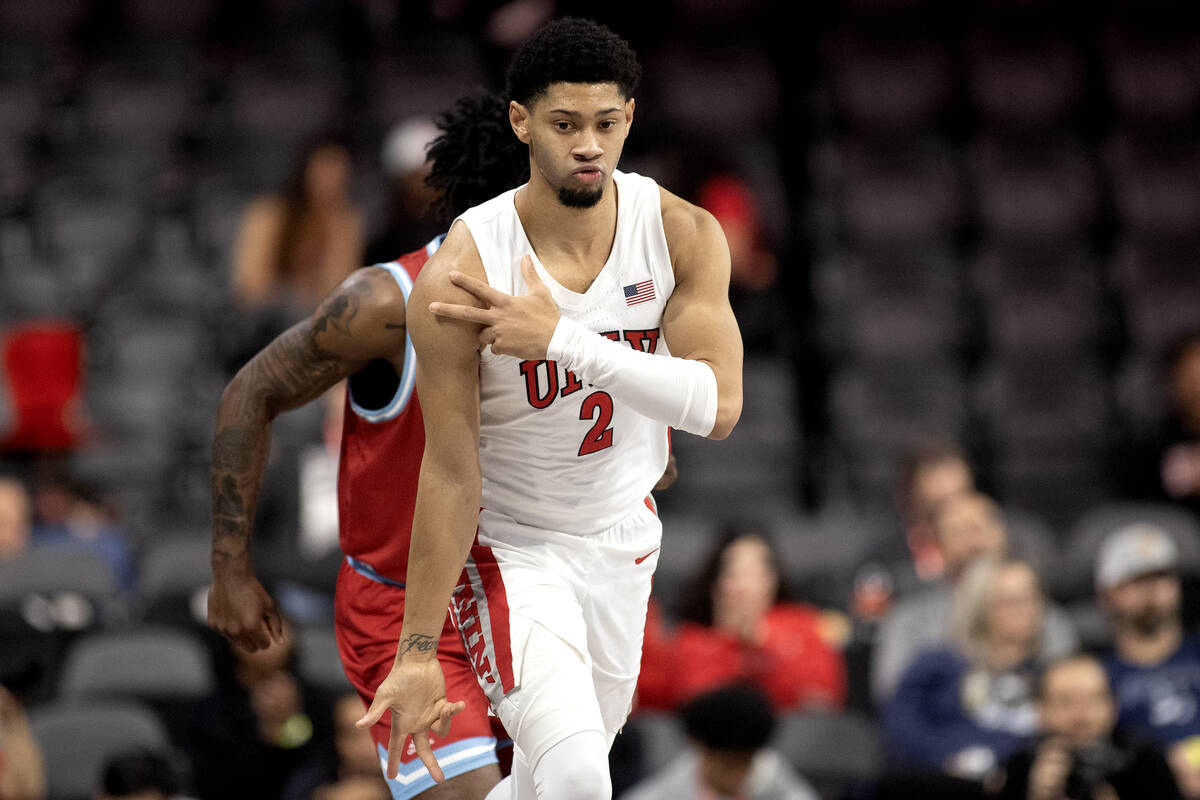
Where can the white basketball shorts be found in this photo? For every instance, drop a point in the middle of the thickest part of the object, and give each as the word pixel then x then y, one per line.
pixel 553 624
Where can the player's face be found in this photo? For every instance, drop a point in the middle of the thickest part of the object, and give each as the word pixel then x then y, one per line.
pixel 575 133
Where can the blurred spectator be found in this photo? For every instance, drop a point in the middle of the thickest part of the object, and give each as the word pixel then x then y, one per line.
pixel 70 514
pixel 297 244
pixel 346 770
pixel 1177 449
pixel 754 293
pixel 729 729
pixel 22 770
pixel 140 775
pixel 1079 755
pixel 262 725
pixel 410 221
pixel 967 526
pixel 963 708
pixel 738 625
pixel 16 517
pixel 1154 666
pixel 907 554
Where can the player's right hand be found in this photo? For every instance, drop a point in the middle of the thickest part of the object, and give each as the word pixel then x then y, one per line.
pixel 415 692
pixel 240 609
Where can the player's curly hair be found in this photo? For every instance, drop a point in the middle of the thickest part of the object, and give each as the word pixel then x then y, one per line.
pixel 476 157
pixel 573 50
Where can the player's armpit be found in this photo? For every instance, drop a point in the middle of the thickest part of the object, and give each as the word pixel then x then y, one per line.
pixel 698 322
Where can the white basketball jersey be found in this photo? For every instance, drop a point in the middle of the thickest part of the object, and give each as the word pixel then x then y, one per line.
pixel 556 453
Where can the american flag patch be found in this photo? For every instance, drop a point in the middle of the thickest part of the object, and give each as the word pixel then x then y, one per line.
pixel 639 293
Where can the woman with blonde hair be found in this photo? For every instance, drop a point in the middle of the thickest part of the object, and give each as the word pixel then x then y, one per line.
pixel 963 708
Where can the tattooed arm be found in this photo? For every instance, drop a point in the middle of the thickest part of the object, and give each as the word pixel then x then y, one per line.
pixel 363 319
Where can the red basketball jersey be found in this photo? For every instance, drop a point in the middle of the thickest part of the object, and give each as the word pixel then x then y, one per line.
pixel 381 459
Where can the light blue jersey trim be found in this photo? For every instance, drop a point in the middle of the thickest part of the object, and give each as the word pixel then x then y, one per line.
pixel 408 374
pixel 454 759
pixel 367 571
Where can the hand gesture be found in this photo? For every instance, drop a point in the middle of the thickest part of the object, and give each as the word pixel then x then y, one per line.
pixel 1048 774
pixel 513 326
pixel 240 609
pixel 415 692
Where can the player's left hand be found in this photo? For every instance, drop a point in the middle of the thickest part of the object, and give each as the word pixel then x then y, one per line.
pixel 513 326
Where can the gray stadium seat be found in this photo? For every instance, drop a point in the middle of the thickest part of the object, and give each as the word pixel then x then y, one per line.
pixel 832 750
pixel 1038 194
pixel 1031 83
pixel 875 87
pixel 1151 81
pixel 147 663
pixel 53 571
pixel 318 660
pixel 903 196
pixel 661 736
pixel 78 739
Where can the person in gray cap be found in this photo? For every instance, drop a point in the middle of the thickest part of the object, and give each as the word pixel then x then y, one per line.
pixel 1154 666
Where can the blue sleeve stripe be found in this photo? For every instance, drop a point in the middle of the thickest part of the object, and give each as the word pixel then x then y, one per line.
pixel 408 375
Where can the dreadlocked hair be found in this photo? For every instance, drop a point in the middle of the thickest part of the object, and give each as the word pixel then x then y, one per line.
pixel 571 50
pixel 476 157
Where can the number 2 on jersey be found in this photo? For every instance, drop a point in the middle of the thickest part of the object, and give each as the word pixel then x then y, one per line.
pixel 597 406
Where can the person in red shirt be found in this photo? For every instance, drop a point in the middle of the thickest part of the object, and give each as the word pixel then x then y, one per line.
pixel 738 626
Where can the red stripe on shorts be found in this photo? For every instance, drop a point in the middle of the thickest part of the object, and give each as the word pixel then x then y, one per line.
pixel 497 610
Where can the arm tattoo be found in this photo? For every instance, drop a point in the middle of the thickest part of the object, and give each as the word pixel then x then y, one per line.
pixel 293 370
pixel 417 642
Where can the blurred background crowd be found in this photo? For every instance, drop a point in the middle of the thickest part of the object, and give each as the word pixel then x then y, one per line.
pixel 965 243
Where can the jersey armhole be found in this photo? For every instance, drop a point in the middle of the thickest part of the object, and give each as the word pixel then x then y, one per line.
pixel 408 373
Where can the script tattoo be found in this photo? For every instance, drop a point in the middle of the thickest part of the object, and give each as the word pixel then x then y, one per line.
pixel 417 642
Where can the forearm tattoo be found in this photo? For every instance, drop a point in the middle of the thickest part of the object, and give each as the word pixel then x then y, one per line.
pixel 293 370
pixel 416 643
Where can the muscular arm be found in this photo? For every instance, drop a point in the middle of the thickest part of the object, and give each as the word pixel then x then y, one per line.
pixel 448 494
pixel 698 322
pixel 361 320
pixel 447 506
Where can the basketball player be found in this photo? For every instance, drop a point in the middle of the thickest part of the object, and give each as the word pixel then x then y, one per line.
pixel 359 332
pixel 541 329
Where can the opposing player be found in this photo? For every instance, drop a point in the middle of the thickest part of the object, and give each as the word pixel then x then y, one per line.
pixel 359 333
pixel 541 329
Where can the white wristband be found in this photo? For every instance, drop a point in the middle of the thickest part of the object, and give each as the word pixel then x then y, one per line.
pixel 678 392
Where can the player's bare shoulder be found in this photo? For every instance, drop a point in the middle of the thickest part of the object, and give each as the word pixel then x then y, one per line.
pixel 694 237
pixel 364 317
pixel 457 253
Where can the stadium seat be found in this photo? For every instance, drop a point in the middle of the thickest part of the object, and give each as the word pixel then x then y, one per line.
pixel 661 735
pixel 1151 83
pixel 55 572
pixel 908 195
pixel 1043 193
pixel 905 85
pixel 834 751
pixel 174 572
pixel 318 660
pixel 148 663
pixel 1026 83
pixel 728 93
pixel 1037 301
pixel 77 739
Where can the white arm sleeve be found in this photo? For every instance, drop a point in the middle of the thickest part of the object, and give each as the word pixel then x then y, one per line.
pixel 679 392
